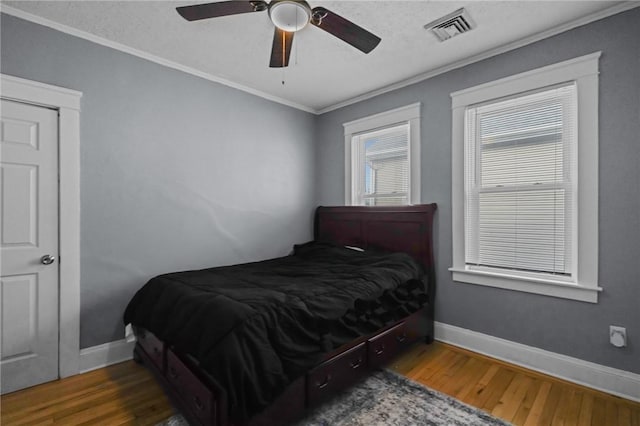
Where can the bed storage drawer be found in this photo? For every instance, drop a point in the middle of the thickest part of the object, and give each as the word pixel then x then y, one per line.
pixel 197 398
pixel 336 373
pixel 153 347
pixel 383 347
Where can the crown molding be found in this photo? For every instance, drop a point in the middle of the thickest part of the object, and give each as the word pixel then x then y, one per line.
pixel 618 8
pixel 9 10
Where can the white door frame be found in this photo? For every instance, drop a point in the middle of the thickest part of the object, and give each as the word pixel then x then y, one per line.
pixel 67 102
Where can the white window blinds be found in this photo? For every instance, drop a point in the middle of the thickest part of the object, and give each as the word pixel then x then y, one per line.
pixel 380 169
pixel 520 182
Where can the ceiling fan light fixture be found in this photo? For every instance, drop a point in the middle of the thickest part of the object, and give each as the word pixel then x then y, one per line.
pixel 290 15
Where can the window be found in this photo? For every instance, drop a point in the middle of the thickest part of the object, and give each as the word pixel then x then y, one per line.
pixel 380 170
pixel 519 183
pixel 382 154
pixel 525 164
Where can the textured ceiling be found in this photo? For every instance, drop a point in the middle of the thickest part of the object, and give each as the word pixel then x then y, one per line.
pixel 324 71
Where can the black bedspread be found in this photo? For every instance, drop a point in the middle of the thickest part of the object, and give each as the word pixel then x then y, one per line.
pixel 256 327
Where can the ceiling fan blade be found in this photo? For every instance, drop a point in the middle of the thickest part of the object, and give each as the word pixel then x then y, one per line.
pixel 281 50
pixel 221 8
pixel 344 29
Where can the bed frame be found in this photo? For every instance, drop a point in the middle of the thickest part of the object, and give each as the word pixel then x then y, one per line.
pixel 203 402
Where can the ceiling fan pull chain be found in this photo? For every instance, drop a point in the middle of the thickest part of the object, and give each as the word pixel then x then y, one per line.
pixel 284 37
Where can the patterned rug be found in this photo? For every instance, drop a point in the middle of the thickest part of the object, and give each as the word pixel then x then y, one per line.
pixel 387 399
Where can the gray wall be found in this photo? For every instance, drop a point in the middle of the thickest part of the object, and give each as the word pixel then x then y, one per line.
pixel 176 172
pixel 568 327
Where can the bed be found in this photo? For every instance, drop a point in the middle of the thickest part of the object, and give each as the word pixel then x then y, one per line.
pixel 261 343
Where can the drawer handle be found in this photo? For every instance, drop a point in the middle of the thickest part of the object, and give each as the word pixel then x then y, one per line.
pixel 401 337
pixel 198 403
pixel 379 350
pixel 173 373
pixel 355 364
pixel 324 384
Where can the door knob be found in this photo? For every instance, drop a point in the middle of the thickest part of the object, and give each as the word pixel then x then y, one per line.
pixel 47 259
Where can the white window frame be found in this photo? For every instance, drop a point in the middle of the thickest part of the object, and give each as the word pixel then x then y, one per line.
pixel 408 114
pixel 584 283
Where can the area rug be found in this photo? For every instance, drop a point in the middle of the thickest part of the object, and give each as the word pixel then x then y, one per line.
pixel 387 399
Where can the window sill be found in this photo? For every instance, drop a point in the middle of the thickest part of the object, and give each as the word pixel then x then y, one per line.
pixel 529 285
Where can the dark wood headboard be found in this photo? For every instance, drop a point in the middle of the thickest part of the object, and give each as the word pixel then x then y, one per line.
pixel 405 229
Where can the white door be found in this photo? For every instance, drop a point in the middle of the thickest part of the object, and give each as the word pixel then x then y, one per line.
pixel 28 234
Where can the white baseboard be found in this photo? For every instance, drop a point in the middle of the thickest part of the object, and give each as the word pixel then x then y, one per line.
pixel 106 354
pixel 611 380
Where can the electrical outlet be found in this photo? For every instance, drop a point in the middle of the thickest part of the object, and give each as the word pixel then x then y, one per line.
pixel 618 336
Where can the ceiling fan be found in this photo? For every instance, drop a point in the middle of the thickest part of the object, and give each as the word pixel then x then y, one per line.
pixel 288 16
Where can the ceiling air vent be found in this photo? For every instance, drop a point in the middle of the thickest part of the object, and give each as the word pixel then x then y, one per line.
pixel 451 25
